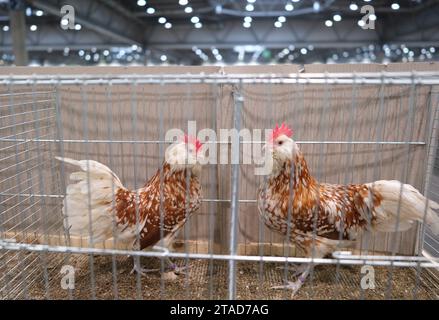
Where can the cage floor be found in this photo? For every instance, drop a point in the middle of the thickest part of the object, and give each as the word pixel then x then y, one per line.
pixel 208 280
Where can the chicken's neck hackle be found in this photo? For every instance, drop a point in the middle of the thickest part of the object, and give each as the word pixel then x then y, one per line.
pixel 295 170
pixel 169 172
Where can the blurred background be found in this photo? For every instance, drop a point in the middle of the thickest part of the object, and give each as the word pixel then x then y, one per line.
pixel 217 32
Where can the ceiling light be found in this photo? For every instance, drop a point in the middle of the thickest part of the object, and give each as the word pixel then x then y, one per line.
pixel 188 10
pixel 353 7
pixel 5 28
pixel 33 27
pixel 28 12
pixel 395 6
pixel 39 13
pixel 81 53
pixel 141 3
pixel 328 23
pixel 106 53
pixel 372 17
pixel 361 23
pixel 64 22
pixel 336 17
pixel 303 51
pixel 278 24
pixel 168 25
pixel 150 10
pixel 198 25
pixel 163 57
pixel 282 19
pixel 249 7
pixel 246 24
pixel 162 20
pixel 182 2
pixel 316 6
pixel 78 27
pixel 195 19
pixel 289 7
pixel 248 19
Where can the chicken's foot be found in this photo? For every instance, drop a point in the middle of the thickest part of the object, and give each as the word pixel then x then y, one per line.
pixel 296 285
pixel 142 271
pixel 298 269
pixel 173 267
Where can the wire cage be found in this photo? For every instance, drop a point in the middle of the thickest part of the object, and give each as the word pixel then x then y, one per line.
pixel 351 127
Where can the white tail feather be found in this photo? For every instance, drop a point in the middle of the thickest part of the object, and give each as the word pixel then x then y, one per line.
pixel 88 200
pixel 408 202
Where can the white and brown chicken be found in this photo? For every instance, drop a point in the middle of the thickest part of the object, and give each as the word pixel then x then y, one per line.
pixel 98 206
pixel 320 218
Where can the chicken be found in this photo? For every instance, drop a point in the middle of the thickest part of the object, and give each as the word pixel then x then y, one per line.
pixel 321 218
pixel 99 206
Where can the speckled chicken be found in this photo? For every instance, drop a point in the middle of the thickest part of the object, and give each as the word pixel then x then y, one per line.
pixel 99 207
pixel 321 218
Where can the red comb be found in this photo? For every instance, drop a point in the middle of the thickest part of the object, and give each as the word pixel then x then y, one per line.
pixel 278 131
pixel 194 141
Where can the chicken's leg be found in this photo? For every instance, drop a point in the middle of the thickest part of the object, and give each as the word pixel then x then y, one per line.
pixel 296 285
pixel 165 244
pixel 297 268
pixel 137 268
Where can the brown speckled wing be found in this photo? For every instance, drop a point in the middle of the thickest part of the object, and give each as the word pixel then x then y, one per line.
pixel 157 214
pixel 323 209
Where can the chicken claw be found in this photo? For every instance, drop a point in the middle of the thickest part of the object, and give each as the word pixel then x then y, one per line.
pixel 291 285
pixel 142 271
pixel 177 269
pixel 297 268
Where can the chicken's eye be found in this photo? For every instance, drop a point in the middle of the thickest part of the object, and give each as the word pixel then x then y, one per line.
pixel 280 143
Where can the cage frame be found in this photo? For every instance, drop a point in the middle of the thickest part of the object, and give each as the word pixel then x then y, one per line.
pixel 403 78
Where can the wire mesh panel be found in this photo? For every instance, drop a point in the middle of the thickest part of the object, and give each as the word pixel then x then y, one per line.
pixel 431 242
pixel 351 128
pixel 28 129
